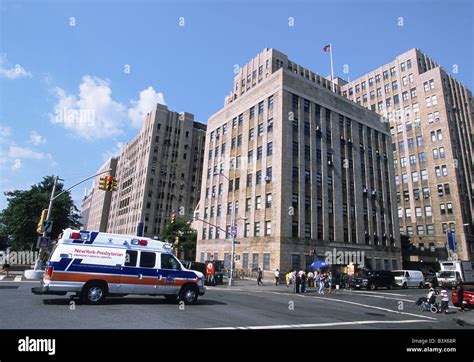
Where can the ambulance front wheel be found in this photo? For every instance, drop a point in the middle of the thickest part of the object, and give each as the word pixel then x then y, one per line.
pixel 189 294
pixel 94 293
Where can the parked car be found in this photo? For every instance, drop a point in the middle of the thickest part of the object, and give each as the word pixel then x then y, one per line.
pixel 373 279
pixel 195 265
pixel 468 297
pixel 409 278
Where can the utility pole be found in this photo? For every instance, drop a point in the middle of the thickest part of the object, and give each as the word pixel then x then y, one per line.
pixel 34 274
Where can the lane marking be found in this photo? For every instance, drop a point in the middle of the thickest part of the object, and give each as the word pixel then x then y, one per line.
pixel 17 278
pixel 2 277
pixel 375 307
pixel 378 296
pixel 332 324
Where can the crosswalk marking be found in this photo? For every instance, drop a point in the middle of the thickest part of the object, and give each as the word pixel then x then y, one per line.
pixel 17 279
pixel 1 277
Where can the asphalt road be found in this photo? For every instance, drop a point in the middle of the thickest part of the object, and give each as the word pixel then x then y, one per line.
pixel 244 306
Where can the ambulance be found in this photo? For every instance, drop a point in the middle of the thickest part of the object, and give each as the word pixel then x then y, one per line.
pixel 95 265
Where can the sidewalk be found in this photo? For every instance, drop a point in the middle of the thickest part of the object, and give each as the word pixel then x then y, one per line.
pixel 268 285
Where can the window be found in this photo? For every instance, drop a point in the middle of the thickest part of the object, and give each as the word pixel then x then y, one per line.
pixel 430 229
pixel 412 159
pixel 258 177
pixel 270 102
pixel 131 258
pixel 268 201
pixel 403 162
pixel 254 261
pixel 420 230
pixel 435 153
pixel 266 261
pixel 424 175
pixel 449 206
pixel 268 228
pixel 419 140
pixel 269 148
pixel 259 152
pixel 413 92
pixel 246 230
pixel 421 157
pixel 168 261
pixel 445 170
pixel 404 178
pixel 245 260
pixel 414 176
pixel 418 212
pixel 439 134
pixel 428 211
pixel 250 156
pixel 147 260
pixel 260 108
pixel 258 202
pixel 260 130
pixel 251 134
pixel 257 229
pixel 407 212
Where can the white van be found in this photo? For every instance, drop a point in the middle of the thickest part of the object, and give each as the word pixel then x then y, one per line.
pixel 95 265
pixel 409 278
pixel 453 272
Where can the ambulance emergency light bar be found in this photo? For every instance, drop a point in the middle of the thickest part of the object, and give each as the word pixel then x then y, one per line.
pixel 107 239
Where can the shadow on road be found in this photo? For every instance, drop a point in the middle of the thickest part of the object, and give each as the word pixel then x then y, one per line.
pixel 129 301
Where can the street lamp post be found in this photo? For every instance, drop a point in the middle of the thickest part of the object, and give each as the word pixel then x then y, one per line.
pixel 233 231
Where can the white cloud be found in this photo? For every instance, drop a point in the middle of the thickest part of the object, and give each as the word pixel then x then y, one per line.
pixel 12 72
pixel 36 139
pixel 146 103
pixel 12 155
pixel 93 114
pixel 24 152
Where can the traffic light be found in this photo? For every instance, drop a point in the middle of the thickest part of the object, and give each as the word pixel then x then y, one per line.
pixel 39 229
pixel 109 183
pixel 114 185
pixel 173 217
pixel 102 182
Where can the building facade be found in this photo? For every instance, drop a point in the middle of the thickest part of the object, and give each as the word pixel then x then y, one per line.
pixel 307 172
pixel 85 207
pixel 100 202
pixel 158 172
pixel 430 115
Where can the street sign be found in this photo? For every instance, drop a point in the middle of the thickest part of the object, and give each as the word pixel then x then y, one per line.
pixel 236 242
pixel 47 226
pixel 233 231
pixel 43 242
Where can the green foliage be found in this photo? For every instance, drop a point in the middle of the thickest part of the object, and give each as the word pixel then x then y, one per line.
pixel 20 218
pixel 182 229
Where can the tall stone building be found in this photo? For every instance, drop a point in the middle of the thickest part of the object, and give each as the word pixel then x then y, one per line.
pixel 100 202
pixel 431 116
pixel 159 171
pixel 85 207
pixel 306 170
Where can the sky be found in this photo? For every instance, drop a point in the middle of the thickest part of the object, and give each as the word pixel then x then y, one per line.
pixel 76 78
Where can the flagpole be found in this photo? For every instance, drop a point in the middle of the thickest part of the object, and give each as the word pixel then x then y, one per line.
pixel 332 68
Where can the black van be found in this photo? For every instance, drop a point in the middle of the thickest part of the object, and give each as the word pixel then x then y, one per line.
pixel 374 279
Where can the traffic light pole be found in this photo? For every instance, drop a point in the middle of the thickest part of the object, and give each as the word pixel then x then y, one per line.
pixel 53 197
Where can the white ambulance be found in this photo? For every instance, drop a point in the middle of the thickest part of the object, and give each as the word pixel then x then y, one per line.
pixel 95 265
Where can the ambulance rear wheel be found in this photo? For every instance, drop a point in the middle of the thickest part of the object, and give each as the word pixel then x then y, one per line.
pixel 189 294
pixel 94 293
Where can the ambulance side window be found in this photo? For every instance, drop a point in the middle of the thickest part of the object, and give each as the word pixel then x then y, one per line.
pixel 131 258
pixel 147 260
pixel 169 262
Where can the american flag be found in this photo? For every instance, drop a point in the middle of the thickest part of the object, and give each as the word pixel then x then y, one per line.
pixel 327 48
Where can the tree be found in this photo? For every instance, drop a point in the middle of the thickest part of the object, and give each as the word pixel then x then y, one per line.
pixel 20 218
pixel 187 237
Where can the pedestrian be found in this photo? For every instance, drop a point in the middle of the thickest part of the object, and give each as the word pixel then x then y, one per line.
pixel 297 281
pixel 287 279
pixel 460 293
pixel 277 277
pixel 303 282
pixel 259 277
pixel 310 279
pixel 321 283
pixel 6 268
pixel 330 282
pixel 444 301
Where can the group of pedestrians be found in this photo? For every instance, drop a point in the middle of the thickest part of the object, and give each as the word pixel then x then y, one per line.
pixel 300 280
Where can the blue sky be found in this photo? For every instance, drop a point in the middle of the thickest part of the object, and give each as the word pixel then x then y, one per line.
pixel 74 55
